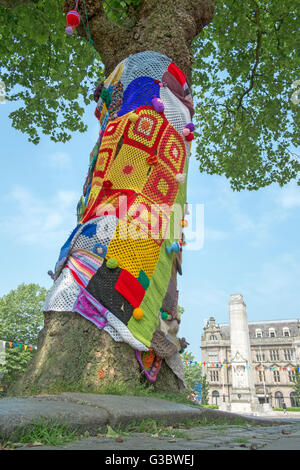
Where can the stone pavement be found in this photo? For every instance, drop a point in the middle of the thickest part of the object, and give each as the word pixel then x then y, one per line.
pixel 198 438
pixel 91 414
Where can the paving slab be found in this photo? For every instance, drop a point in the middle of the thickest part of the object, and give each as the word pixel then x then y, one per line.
pixel 135 442
pixel 16 413
pixel 125 409
pixel 93 412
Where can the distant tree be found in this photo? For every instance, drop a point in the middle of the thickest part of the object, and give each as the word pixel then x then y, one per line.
pixel 297 386
pixel 194 376
pixel 21 319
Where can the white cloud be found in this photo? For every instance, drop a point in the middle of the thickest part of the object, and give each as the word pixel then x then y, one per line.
pixel 37 221
pixel 289 196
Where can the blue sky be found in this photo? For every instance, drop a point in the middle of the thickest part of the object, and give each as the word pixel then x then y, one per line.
pixel 251 239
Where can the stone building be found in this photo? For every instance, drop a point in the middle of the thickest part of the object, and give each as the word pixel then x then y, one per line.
pixel 275 355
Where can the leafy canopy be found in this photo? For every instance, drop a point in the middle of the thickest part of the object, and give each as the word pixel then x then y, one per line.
pixel 245 65
pixel 297 385
pixel 21 319
pixel 21 316
pixel 194 376
pixel 52 73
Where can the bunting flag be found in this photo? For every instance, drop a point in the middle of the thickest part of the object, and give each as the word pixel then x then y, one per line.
pixel 260 367
pixel 18 346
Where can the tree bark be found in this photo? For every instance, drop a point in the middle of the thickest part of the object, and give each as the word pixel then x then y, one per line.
pixel 167 27
pixel 73 354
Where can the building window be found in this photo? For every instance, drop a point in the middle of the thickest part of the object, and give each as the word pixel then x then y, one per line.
pixel 278 400
pixel 260 356
pixel 258 333
pixel 262 376
pixel 213 338
pixel 295 401
pixel 286 332
pixel 276 375
pixel 291 374
pixel 213 356
pixel 274 355
pixel 214 375
pixel 215 398
pixel 288 354
pixel 272 333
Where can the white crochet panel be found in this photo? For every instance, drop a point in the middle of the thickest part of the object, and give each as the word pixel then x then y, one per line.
pixel 124 333
pixel 105 229
pixel 144 64
pixel 63 293
pixel 175 111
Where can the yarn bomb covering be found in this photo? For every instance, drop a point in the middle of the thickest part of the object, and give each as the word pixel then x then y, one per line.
pixel 118 268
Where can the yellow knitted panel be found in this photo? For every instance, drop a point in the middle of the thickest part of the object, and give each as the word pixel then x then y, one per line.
pixel 171 150
pixel 114 131
pixel 130 169
pixel 151 218
pixel 103 113
pixel 106 156
pixel 132 254
pixel 147 129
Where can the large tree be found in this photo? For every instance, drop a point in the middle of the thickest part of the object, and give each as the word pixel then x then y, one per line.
pixel 242 68
pixel 21 319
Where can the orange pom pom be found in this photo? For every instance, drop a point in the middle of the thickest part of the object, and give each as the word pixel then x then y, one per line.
pixel 138 313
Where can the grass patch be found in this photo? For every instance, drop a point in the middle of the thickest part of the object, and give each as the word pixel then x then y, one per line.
pixel 146 426
pixel 143 390
pixel 41 432
pixel 160 429
pixel 115 388
pixel 241 440
pixel 288 409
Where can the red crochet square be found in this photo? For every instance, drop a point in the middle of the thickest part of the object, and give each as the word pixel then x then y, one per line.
pixel 128 286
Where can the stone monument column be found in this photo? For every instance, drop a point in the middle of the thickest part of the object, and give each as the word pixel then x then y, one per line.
pixel 243 398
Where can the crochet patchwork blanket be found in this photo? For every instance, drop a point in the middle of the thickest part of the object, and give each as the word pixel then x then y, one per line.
pixel 118 268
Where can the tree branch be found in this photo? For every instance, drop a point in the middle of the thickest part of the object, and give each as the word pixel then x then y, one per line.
pixel 167 27
pixel 257 56
pixel 103 31
pixel 201 11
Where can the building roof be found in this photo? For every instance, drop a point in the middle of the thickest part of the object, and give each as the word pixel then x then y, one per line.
pixel 264 326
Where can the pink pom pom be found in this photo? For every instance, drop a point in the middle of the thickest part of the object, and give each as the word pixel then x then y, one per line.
pixel 69 30
pixel 186 131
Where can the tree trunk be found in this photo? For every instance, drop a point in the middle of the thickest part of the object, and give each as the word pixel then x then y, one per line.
pixel 73 354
